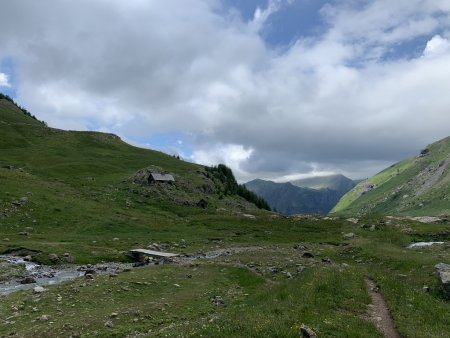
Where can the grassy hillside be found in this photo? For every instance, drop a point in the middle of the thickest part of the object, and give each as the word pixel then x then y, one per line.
pixel 71 191
pixel 417 186
pixel 243 272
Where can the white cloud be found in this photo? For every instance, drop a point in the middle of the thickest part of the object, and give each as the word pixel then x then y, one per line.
pixel 4 81
pixel 329 103
pixel 437 46
pixel 230 154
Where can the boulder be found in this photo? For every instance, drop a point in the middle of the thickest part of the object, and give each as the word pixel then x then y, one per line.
pixel 38 289
pixel 443 271
pixel 306 332
pixel 53 258
pixel 28 280
pixel 349 235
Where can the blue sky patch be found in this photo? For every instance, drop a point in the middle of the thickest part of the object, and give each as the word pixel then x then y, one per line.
pixel 7 67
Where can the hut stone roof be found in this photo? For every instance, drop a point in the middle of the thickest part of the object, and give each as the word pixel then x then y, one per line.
pixel 162 177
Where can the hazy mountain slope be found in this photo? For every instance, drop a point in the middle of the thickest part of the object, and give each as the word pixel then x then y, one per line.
pixel 417 186
pixel 337 182
pixel 289 199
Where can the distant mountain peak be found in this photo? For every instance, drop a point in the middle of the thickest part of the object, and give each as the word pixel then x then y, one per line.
pixel 289 198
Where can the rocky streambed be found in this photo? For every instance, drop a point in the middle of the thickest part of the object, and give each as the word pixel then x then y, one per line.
pixel 42 275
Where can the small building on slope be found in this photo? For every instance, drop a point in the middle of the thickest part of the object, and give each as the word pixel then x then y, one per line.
pixel 160 178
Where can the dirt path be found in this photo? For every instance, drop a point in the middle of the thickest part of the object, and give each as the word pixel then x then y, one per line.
pixel 379 312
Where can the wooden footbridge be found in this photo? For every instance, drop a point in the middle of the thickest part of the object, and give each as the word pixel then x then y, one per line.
pixel 143 254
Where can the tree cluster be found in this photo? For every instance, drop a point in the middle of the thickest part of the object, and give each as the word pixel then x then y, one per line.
pixel 22 109
pixel 231 187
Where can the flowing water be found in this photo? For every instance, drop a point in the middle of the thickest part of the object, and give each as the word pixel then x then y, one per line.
pixel 47 275
pixel 423 244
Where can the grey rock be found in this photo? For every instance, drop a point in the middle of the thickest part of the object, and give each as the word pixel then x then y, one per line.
pixel 349 235
pixel 38 289
pixel 28 280
pixel 218 301
pixel 109 323
pixel 306 332
pixel 307 254
pixel 69 259
pixel 44 318
pixel 443 271
pixel 53 258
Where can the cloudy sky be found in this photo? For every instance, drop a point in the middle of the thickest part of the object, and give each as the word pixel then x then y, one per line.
pixel 276 89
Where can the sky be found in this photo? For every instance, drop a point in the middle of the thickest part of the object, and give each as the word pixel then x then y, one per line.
pixel 275 89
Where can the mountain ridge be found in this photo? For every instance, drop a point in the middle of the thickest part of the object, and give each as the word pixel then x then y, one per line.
pixel 289 198
pixel 417 186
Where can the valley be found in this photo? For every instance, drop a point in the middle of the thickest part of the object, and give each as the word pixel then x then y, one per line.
pixel 78 199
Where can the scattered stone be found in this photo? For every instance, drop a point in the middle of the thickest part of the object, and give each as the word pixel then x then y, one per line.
pixel 353 220
pixel 274 269
pixel 300 247
pixel 249 216
pixel 288 274
pixel 426 288
pixel 109 323
pixel 177 285
pixel 218 301
pixel 28 258
pixel 326 260
pixel 349 235
pixel 114 315
pixel 23 233
pixel 44 318
pixel 444 277
pixel 69 259
pixel 300 268
pixel 6 239
pixel 53 258
pixel 307 254
pixel 306 332
pixel 115 239
pixel 90 271
pixel 38 289
pixel 28 280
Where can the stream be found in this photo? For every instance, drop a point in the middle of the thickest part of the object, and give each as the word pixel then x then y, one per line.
pixel 46 275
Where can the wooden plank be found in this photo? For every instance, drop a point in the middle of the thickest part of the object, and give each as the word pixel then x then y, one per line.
pixel 153 253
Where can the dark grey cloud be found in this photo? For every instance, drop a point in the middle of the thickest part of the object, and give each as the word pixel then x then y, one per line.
pixel 328 103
